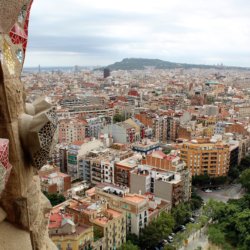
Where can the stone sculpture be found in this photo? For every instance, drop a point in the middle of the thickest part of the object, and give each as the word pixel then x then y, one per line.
pixel 29 131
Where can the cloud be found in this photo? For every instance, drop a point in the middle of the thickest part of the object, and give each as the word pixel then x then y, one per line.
pixel 79 32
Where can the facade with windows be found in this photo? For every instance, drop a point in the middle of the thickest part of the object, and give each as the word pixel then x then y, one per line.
pixel 205 157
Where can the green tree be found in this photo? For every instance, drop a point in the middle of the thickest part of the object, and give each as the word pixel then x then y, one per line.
pixel 233 173
pixel 157 230
pixel 245 163
pixel 201 180
pixel 216 236
pixel 242 222
pixel 245 179
pixel 133 238
pixel 231 227
pixel 169 247
pixel 97 233
pixel 118 118
pixel 167 151
pixel 166 223
pixel 181 212
pixel 196 201
pixel 150 235
pixel 54 199
pixel 129 246
pixel 220 180
pixel 214 209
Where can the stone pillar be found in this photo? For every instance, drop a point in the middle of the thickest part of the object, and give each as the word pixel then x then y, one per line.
pixel 22 200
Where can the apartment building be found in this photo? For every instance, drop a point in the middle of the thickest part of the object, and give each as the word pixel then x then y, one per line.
pixel 163 184
pixel 206 157
pixel 123 169
pixel 67 235
pixel 70 130
pixel 110 222
pixel 121 132
pixel 98 166
pixel 139 209
pixel 243 110
pixel 53 181
pixel 165 128
pixel 171 162
pixel 146 147
pixel 94 126
pixel 76 151
pixel 220 127
pixel 63 162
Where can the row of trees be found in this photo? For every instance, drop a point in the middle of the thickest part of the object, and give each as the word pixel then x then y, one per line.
pixel 231 227
pixel 235 171
pixel 206 180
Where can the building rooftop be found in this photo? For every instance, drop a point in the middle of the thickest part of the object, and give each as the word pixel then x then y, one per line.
pixel 130 162
pixel 134 198
pixel 57 218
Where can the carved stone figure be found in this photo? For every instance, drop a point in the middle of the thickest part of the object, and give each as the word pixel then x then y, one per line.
pixel 29 131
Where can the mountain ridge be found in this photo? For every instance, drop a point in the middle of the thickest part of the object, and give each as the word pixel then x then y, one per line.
pixel 143 63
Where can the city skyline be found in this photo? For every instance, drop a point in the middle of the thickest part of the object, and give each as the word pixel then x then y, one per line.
pixel 67 33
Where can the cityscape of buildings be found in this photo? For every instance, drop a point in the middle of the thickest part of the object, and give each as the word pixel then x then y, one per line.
pixel 129 142
pixel 142 154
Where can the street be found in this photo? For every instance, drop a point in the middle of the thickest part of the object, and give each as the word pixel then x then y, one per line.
pixel 196 240
pixel 233 191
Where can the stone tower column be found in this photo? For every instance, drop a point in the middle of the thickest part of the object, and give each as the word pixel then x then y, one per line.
pixel 22 200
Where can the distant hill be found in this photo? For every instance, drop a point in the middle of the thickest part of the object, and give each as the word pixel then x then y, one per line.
pixel 142 63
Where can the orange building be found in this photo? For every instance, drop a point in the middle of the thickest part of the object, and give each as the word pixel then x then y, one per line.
pixel 205 157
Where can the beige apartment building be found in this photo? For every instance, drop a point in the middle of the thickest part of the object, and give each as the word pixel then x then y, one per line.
pixel 110 222
pixel 206 157
pixel 139 209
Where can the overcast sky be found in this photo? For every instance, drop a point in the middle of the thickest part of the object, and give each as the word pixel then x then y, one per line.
pixel 100 32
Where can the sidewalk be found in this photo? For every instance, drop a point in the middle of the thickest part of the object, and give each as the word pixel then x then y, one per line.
pixel 197 239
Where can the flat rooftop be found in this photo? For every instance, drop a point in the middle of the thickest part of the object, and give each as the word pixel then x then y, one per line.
pixel 130 162
pixel 134 198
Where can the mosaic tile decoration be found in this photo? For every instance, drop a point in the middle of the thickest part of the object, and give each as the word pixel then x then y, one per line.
pixel 5 166
pixel 14 21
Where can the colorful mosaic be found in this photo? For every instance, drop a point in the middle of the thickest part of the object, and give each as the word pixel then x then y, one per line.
pixel 8 58
pixel 14 21
pixel 5 166
pixel 19 32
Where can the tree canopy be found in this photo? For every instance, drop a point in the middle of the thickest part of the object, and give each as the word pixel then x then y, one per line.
pixel 231 227
pixel 157 230
pixel 245 179
pixel 55 199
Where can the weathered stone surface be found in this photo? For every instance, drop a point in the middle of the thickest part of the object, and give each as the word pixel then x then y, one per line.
pixel 26 208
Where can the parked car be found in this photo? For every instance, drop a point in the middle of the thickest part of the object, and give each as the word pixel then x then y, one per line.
pixel 170 239
pixel 161 245
pixel 179 228
pixel 208 191
pixel 191 219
